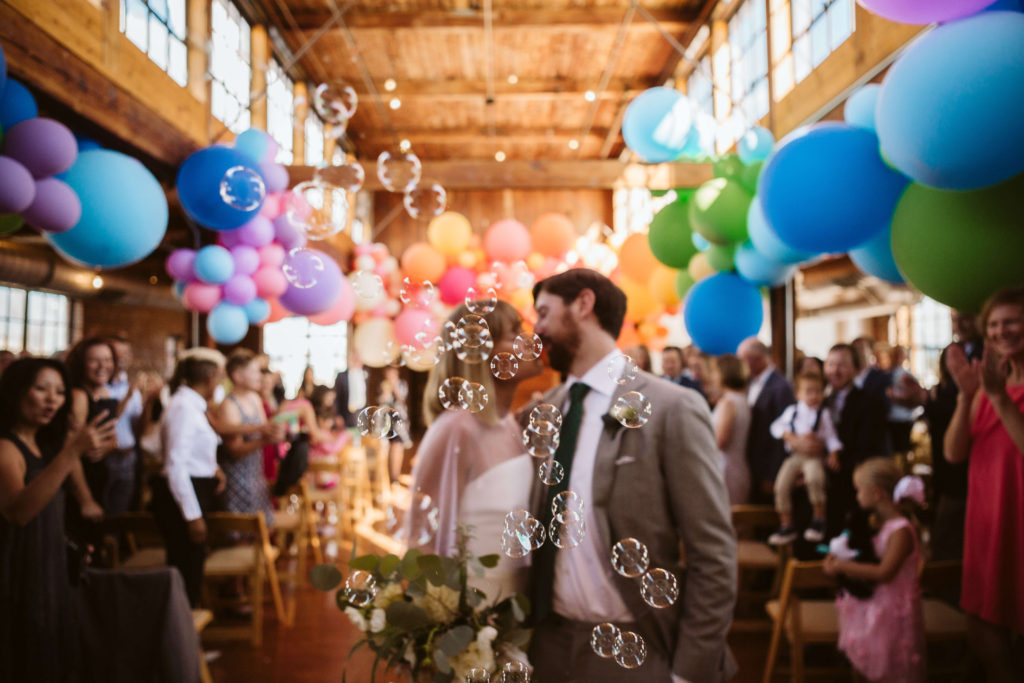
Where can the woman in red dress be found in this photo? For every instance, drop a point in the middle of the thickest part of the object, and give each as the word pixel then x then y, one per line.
pixel 988 427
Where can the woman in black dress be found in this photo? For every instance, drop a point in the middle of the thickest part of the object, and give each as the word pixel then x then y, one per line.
pixel 37 455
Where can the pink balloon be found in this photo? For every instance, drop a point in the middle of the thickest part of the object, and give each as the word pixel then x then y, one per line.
pixel 921 12
pixel 258 232
pixel 277 311
pixel 272 255
pixel 272 150
pixel 56 207
pixel 228 239
pixel 275 176
pixel 247 259
pixel 239 290
pixel 343 308
pixel 411 322
pixel 272 205
pixel 507 240
pixel 179 264
pixel 201 297
pixel 454 283
pixel 270 282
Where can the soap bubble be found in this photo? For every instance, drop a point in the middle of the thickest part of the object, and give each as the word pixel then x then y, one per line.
pixel 631 650
pixel 567 529
pixel 399 429
pixel 302 267
pixel 604 640
pixel 449 335
pixel 524 531
pixel 366 284
pixel 567 501
pixel 632 409
pixel 398 172
pixel 630 558
pixel 622 369
pixel 318 211
pixel 360 588
pixel 481 302
pixel 449 391
pixel 514 671
pixel 473 339
pixel 551 472
pixel 478 675
pixel 335 102
pixel 472 397
pixel 659 588
pixel 349 176
pixel 425 519
pixel 512 546
pixel 527 346
pixel 504 365
pixel 422 293
pixel 375 421
pixel 471 328
pixel 541 439
pixel 546 412
pixel 425 201
pixel 242 188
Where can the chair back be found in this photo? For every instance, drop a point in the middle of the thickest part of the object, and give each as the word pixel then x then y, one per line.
pixel 940 576
pixel 224 528
pixel 746 518
pixel 140 525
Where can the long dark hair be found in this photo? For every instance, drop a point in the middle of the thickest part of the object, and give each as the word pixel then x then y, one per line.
pixel 76 360
pixel 16 381
pixel 192 370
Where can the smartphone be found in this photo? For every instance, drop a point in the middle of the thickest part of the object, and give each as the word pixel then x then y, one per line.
pixel 108 405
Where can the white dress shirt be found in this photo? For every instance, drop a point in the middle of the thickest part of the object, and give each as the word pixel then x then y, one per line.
pixel 190 448
pixel 757 384
pixel 125 426
pixel 583 588
pixel 803 423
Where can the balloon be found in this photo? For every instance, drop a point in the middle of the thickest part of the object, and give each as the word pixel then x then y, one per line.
pixel 1005 6
pixel 454 283
pixel 699 267
pixel 422 262
pixel 826 189
pixel 722 311
pixel 409 325
pixel 271 255
pixel 507 241
pixel 670 237
pixel 200 297
pixel 275 176
pixel 321 295
pixel 750 176
pixel 10 223
pixel 257 311
pixel 766 241
pixel 553 234
pixel 639 301
pixel 449 233
pixel 859 110
pixel 253 143
pixel 227 323
pixel 728 166
pixel 213 264
pixel 374 342
pixel 718 211
pixel 179 264
pixel 960 247
pixel 721 256
pixel 124 211
pixel 662 285
pixel 924 11
pixel 343 308
pixel 247 259
pixel 16 105
pixel 635 258
pixel 656 124
pixel 56 207
pixel 941 133
pixel 44 146
pixel 198 185
pixel 755 145
pixel 698 239
pixel 17 187
pixel 287 234
pixel 3 69
pixel 257 232
pixel 85 144
pixel 758 269
pixel 875 258
pixel 239 290
pixel 684 281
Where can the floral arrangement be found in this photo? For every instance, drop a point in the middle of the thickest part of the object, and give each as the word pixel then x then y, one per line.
pixel 418 612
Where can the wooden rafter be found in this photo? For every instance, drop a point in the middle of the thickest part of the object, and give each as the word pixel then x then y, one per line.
pixel 521 88
pixel 365 18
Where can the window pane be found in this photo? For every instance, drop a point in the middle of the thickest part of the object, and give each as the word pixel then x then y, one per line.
pixel 178 68
pixel 841 22
pixel 176 18
pixel 136 19
pixel 157 42
pixel 819 41
pixel 801 16
pixel 802 57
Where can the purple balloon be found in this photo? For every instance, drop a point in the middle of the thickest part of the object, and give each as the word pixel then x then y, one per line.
pixel 275 176
pixel 259 232
pixel 17 188
pixel 179 264
pixel 239 290
pixel 316 267
pixel 44 146
pixel 920 12
pixel 228 239
pixel 56 207
pixel 287 234
pixel 247 259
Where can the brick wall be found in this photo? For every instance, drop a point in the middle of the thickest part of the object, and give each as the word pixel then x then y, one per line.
pixel 147 328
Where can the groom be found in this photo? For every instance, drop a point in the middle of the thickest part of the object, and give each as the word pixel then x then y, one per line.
pixel 661 484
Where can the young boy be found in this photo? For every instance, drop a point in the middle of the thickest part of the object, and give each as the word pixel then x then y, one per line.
pixel 807 416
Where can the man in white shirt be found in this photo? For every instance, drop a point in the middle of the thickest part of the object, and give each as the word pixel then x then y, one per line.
pixel 660 483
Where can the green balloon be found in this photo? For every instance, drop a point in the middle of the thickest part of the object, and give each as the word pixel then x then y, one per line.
pixel 750 177
pixel 10 222
pixel 670 235
pixel 722 257
pixel 659 193
pixel 718 211
pixel 683 283
pixel 728 166
pixel 961 247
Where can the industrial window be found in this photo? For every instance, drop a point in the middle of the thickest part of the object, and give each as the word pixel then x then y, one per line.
pixel 37 322
pixel 819 27
pixel 230 66
pixel 748 64
pixel 281 111
pixel 314 147
pixel 294 343
pixel 157 27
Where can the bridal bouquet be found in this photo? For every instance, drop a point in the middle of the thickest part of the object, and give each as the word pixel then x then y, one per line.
pixel 418 612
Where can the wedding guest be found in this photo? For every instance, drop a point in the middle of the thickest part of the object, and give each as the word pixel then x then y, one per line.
pixel 768 394
pixel 394 393
pixel 731 419
pixel 38 452
pixel 673 369
pixel 671 464
pixel 6 358
pixel 811 364
pixel 641 354
pixel 122 463
pixel 988 426
pixel 903 392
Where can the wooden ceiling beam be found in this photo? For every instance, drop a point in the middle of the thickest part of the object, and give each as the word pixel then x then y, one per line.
pixel 672 63
pixel 365 18
pixel 603 174
pixel 502 88
pixel 471 135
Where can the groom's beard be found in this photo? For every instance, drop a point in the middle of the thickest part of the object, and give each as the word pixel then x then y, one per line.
pixel 561 352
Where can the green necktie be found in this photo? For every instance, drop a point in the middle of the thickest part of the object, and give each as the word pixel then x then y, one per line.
pixel 544 558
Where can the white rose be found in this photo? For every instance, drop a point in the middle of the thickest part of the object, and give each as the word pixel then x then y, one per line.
pixel 390 593
pixel 440 603
pixel 377 621
pixel 472 656
pixel 356 617
pixel 486 635
pixel 410 655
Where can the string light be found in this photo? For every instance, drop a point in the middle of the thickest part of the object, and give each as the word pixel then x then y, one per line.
pixel 404 146
pixel 499 156
pixel 574 144
pixel 97 282
pixel 513 79
pixel 395 103
pixel 590 96
pixel 390 85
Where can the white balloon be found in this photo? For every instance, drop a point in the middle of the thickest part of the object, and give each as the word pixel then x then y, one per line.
pixel 374 341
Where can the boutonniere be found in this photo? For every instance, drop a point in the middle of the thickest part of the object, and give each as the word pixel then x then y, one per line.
pixel 611 423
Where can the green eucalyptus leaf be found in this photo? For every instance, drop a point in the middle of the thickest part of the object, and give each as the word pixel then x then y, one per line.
pixel 325 577
pixel 367 563
pixel 474 597
pixel 388 564
pixel 489 561
pixel 456 640
pixel 432 568
pixel 410 565
pixel 406 616
pixel 416 589
pixel 441 661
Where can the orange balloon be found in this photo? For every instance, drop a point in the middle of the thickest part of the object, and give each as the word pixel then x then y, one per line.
pixel 422 262
pixel 639 302
pixel 628 336
pixel 636 259
pixel 553 234
pixel 663 286
pixel 277 311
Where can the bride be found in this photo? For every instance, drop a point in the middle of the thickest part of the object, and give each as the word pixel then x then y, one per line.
pixel 473 466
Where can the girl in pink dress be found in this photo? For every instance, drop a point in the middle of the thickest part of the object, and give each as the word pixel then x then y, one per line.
pixel 883 636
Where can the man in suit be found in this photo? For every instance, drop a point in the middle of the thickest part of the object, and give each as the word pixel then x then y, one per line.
pixel 661 484
pixel 767 395
pixel 672 367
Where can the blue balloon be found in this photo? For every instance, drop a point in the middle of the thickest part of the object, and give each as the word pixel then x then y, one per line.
pixel 758 269
pixel 699 241
pixel 227 323
pixel 1005 6
pixel 755 145
pixel 254 143
pixel 875 258
pixel 721 311
pixel 766 241
pixel 16 105
pixel 828 190
pixel 950 110
pixel 214 264
pixel 656 124
pixel 859 111
pixel 257 311
pixel 124 211
pixel 86 143
pixel 3 69
pixel 198 183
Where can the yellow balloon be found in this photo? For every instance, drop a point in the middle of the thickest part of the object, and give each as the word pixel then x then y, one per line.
pixel 663 286
pixel 639 301
pixel 699 267
pixel 450 232
pixel 467 259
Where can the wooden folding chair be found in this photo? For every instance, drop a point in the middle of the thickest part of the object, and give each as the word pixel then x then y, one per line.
pixel 803 621
pixel 141 538
pixel 295 523
pixel 943 623
pixel 756 557
pixel 201 618
pixel 253 558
